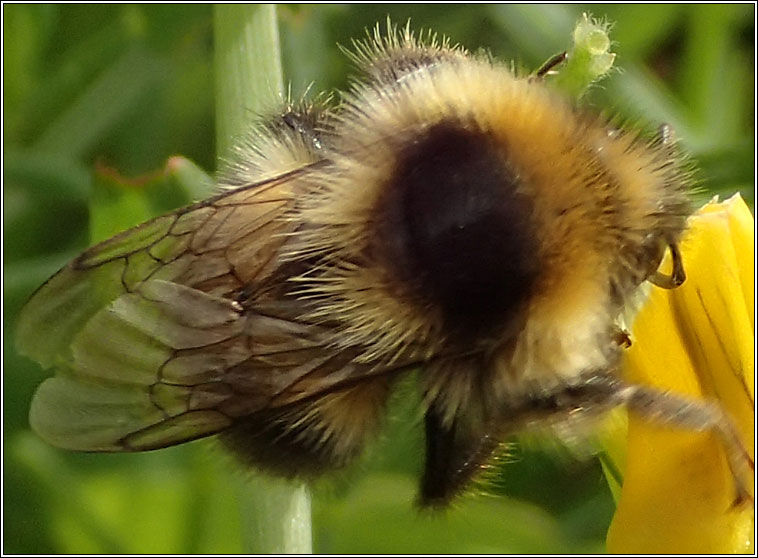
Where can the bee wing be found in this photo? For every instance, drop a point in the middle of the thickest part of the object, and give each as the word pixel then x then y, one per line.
pixel 150 346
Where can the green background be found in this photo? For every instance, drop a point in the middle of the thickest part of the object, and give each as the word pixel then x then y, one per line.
pixel 97 98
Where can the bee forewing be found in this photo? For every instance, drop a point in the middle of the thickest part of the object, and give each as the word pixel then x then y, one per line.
pixel 209 240
pixel 149 344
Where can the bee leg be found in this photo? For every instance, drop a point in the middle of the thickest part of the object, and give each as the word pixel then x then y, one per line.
pixel 457 453
pixel 677 276
pixel 622 337
pixel 700 416
pixel 667 138
pixel 549 64
pixel 453 457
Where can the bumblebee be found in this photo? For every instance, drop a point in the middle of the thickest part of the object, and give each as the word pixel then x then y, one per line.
pixel 446 215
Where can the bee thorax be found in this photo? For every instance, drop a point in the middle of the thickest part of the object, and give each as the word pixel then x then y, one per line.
pixel 457 228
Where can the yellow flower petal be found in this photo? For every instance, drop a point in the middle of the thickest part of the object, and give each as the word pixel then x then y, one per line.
pixel 696 340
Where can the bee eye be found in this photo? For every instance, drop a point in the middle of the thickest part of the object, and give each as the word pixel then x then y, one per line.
pixel 460 226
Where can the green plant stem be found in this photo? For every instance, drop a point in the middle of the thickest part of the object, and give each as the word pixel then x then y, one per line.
pixel 248 68
pixel 275 515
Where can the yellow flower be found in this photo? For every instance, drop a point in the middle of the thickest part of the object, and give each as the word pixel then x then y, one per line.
pixel 698 340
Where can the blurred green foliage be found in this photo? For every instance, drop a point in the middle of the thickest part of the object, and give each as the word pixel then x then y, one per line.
pixel 97 98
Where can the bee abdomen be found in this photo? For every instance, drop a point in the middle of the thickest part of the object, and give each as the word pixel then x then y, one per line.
pixel 311 437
